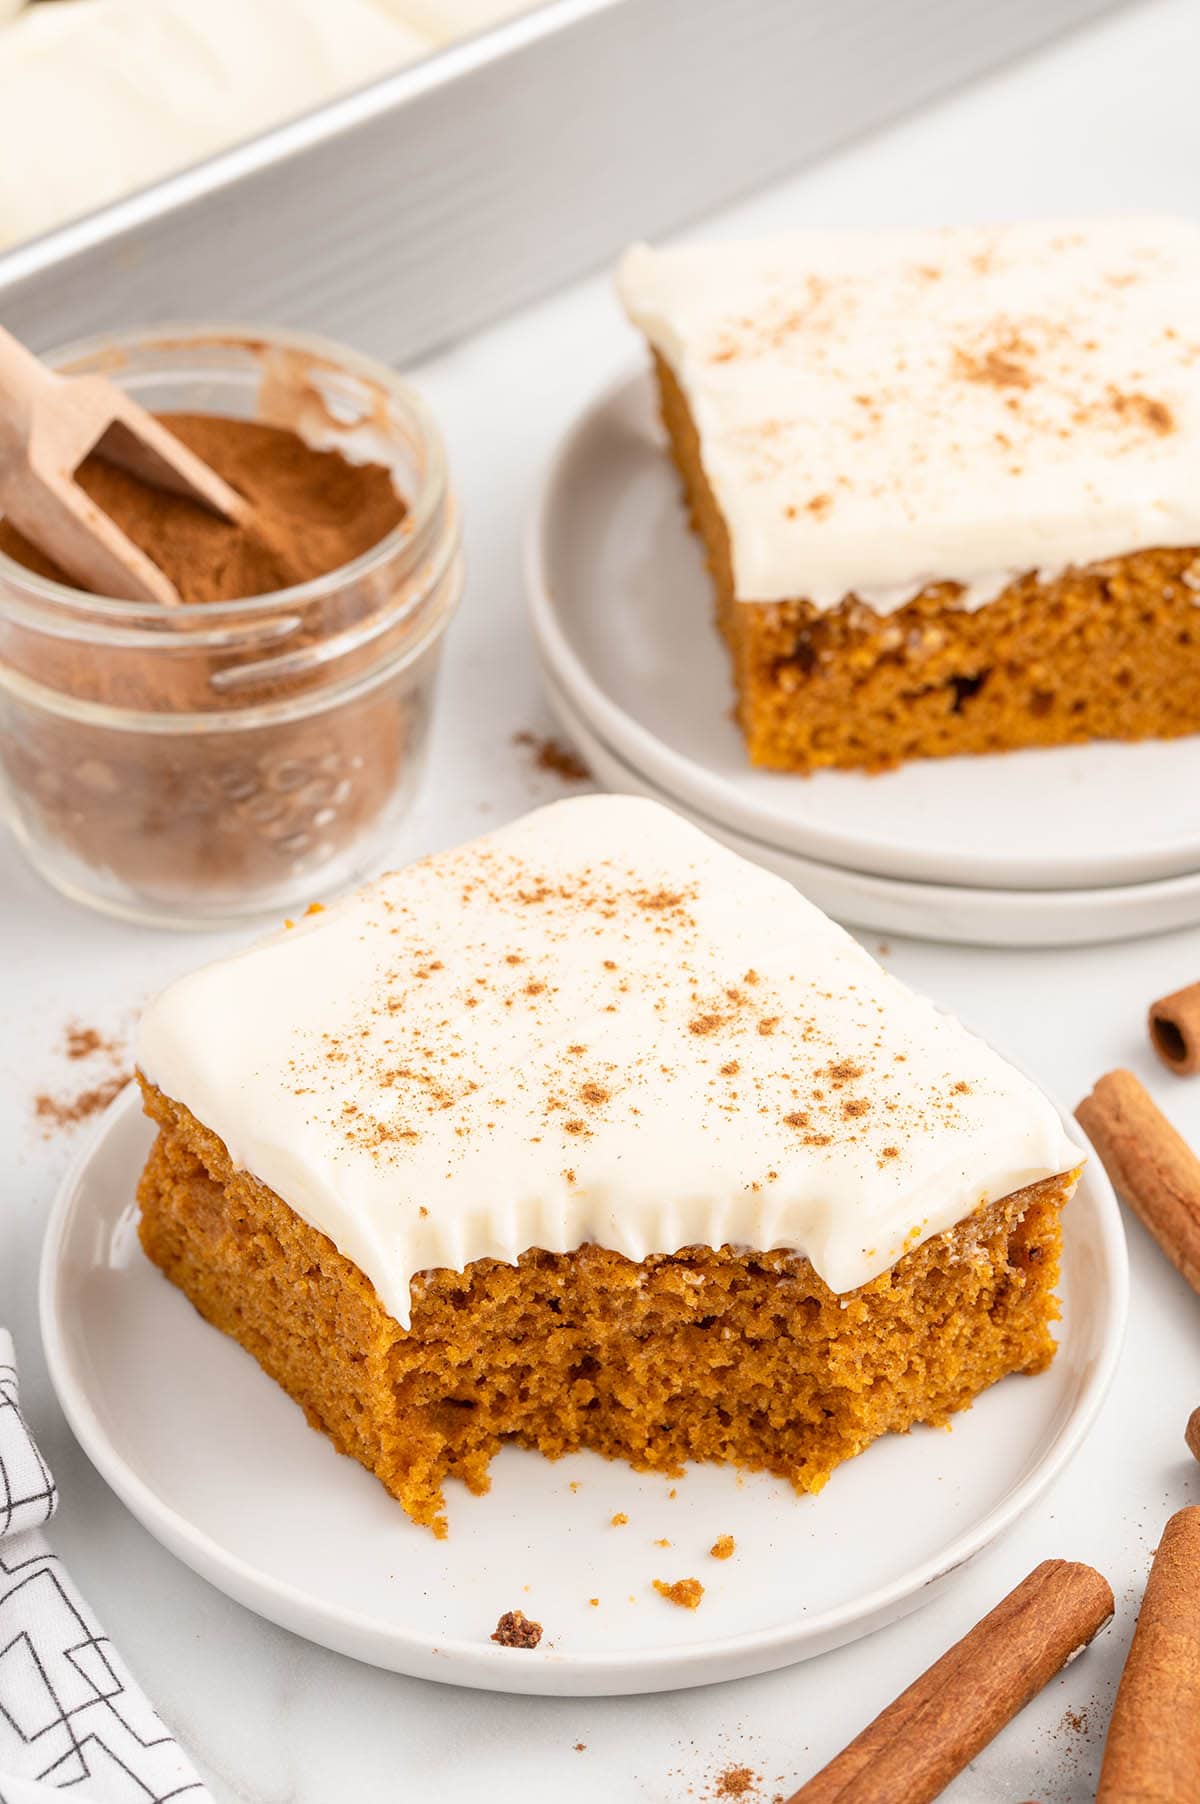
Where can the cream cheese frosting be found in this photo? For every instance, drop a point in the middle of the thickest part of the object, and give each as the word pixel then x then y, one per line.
pixel 447 20
pixel 596 1024
pixel 880 412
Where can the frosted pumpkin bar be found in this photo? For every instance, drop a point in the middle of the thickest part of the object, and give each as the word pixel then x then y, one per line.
pixel 592 1134
pixel 945 481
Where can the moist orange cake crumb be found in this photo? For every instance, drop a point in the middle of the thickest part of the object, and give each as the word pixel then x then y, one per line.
pixel 686 1592
pixel 706 1354
pixel 449 1292
pixel 723 1547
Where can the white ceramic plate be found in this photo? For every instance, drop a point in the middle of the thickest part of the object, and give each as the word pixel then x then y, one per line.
pixel 622 610
pixel 962 915
pixel 221 1467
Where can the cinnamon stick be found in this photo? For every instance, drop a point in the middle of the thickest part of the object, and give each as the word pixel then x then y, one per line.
pixel 1152 1755
pixel 915 1747
pixel 1174 1024
pixel 1191 1434
pixel 1154 1169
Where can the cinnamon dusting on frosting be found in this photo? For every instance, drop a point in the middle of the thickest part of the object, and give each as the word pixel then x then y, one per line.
pixel 880 411
pixel 676 1030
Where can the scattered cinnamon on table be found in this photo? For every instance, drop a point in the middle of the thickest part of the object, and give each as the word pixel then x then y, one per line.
pixel 550 754
pixel 87 1042
pixel 910 1753
pixel 1152 1755
pixel 83 1044
pixel 1151 1165
pixel 1174 1024
pixel 69 1111
pixel 736 1782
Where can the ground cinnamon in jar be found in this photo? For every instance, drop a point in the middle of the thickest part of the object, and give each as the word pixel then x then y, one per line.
pixel 235 755
pixel 312 512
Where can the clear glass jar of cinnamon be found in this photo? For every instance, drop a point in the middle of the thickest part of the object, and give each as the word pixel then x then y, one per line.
pixel 227 759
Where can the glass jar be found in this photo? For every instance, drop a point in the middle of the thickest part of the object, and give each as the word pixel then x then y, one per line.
pixel 219 761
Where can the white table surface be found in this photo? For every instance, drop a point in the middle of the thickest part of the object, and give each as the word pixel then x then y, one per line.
pixel 1107 120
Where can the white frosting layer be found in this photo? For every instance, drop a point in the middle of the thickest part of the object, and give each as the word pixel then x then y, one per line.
pixel 878 413
pixel 594 1025
pixel 446 20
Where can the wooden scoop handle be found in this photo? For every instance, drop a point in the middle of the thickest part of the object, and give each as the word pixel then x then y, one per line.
pixel 48 425
pixel 24 384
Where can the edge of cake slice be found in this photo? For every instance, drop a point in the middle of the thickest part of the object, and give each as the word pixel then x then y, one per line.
pixel 943 480
pixel 592 1134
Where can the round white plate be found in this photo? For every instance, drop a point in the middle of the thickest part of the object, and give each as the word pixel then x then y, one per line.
pixel 622 610
pixel 221 1467
pixel 964 916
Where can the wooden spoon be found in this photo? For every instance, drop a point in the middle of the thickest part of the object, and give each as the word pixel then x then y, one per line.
pixel 48 425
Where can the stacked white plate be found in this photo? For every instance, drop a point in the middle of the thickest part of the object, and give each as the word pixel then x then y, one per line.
pixel 1055 847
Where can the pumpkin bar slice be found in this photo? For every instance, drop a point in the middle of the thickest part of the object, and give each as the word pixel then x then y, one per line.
pixel 945 481
pixel 592 1134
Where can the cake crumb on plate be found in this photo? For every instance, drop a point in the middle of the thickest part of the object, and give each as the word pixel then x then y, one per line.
pixel 686 1592
pixel 515 1629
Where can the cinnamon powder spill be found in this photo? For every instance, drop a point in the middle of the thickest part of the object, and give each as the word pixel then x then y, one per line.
pixel 998 366
pixel 69 1111
pixel 312 512
pixel 83 1042
pixel 1075 1722
pixel 736 1781
pixel 552 755
pixel 63 1112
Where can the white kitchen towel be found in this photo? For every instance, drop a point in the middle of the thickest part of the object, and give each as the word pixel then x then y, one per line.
pixel 70 1714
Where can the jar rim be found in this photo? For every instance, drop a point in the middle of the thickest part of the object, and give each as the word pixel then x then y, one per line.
pixel 407 536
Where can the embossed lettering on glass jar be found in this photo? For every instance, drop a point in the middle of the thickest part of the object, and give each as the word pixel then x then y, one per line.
pixel 225 760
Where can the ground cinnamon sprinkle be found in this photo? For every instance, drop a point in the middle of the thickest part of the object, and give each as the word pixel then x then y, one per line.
pixel 80 1043
pixel 69 1111
pixel 736 1781
pixel 552 755
pixel 313 511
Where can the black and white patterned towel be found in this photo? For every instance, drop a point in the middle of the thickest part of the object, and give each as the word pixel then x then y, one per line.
pixel 70 1714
